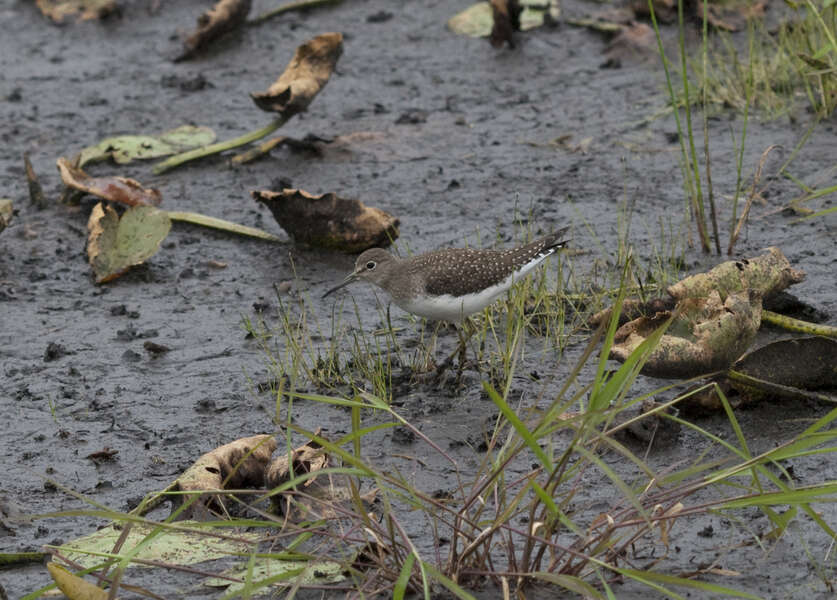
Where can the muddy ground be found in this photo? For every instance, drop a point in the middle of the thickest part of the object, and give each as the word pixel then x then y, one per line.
pixel 432 127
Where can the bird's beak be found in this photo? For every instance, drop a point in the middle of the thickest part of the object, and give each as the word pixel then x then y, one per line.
pixel 350 278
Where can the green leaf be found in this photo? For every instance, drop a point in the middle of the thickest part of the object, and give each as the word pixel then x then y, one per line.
pixel 116 244
pixel 125 148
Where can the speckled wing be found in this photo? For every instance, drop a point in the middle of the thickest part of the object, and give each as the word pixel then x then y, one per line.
pixel 462 271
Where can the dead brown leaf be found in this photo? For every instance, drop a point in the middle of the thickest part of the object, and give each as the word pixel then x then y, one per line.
pixel 707 334
pixel 116 189
pixel 768 274
pixel 328 496
pixel 82 10
pixel 330 221
pixel 225 16
pixel 36 192
pixel 237 465
pixel 304 77
pixel 506 15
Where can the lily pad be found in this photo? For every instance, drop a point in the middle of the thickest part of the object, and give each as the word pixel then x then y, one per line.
pixel 178 547
pixel 116 244
pixel 278 571
pixel 125 148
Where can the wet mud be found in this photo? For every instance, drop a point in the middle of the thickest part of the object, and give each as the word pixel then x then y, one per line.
pixel 448 134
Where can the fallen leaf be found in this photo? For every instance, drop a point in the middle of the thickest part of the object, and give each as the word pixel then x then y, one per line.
pixel 116 189
pixel 36 192
pixel 261 568
pixel 304 77
pixel 236 465
pixel 59 10
pixel 73 586
pixel 6 212
pixel 125 148
pixel 330 221
pixel 768 274
pixel 634 41
pixel 225 16
pixel 808 363
pixel 115 244
pixel 505 15
pixel 319 496
pixel 180 546
pixel 707 334
pixel 478 19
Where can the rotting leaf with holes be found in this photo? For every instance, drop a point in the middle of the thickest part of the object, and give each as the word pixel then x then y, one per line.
pixel 116 189
pixel 125 148
pixel 236 465
pixel 83 10
pixel 319 496
pixel 115 244
pixel 225 16
pixel 707 334
pixel 330 221
pixel 304 77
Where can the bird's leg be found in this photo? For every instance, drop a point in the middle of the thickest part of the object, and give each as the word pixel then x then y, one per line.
pixel 461 349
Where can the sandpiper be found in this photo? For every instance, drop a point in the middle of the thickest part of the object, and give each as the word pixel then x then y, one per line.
pixel 453 283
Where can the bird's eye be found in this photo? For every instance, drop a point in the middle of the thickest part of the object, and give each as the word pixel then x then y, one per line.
pixel 370 265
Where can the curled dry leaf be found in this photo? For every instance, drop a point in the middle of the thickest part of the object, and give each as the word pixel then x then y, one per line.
pixel 82 10
pixel 6 212
pixel 304 77
pixel 707 334
pixel 236 465
pixel 768 274
pixel 225 16
pixel 506 17
pixel 73 586
pixel 308 458
pixel 116 189
pixel 125 148
pixel 319 497
pixel 36 192
pixel 116 244
pixel 330 221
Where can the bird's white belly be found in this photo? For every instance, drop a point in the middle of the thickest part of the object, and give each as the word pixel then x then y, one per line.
pixel 455 308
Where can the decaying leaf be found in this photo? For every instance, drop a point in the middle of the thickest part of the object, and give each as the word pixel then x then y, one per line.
pixel 808 363
pixel 116 189
pixel 225 16
pixel 319 496
pixel 6 212
pixel 768 274
pixel 36 192
pixel 707 334
pixel 116 244
pixel 505 15
pixel 73 586
pixel 304 77
pixel 82 10
pixel 262 568
pixel 330 221
pixel 236 465
pixel 478 19
pixel 308 458
pixel 181 546
pixel 125 148
pixel 633 41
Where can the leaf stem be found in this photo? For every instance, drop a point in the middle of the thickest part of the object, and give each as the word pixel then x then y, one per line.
pixel 247 138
